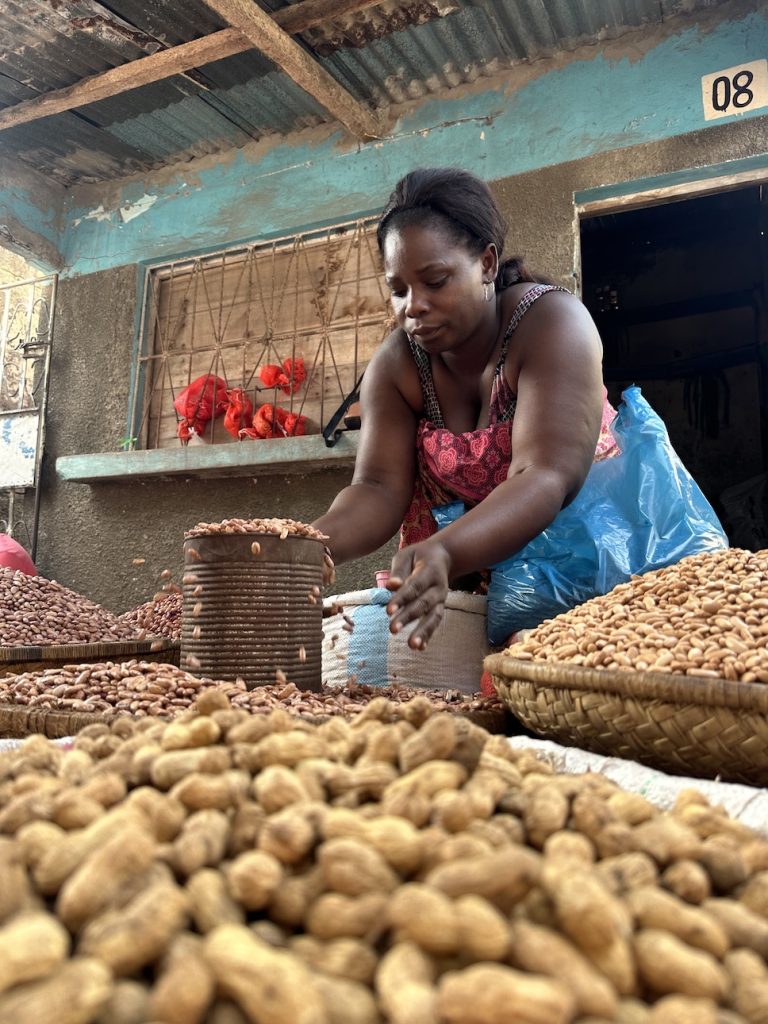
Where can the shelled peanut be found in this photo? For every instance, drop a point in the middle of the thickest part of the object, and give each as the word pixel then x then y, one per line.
pixel 279 527
pixel 141 688
pixel 705 616
pixel 401 867
pixel 159 617
pixel 35 612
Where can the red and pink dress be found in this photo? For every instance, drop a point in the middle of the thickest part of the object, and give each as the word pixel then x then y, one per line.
pixel 467 467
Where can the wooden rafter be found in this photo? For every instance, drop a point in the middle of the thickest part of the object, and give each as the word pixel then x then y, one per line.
pixel 128 76
pixel 273 41
pixel 294 19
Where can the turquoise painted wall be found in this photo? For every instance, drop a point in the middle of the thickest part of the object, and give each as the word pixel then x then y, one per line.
pixel 30 220
pixel 589 105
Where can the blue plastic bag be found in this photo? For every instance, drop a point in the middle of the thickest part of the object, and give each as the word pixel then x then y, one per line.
pixel 638 511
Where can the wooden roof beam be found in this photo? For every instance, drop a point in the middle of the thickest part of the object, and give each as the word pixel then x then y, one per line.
pixel 132 75
pixel 274 42
pixel 176 60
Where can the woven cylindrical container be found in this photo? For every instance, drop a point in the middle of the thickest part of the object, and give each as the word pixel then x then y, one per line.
pixel 247 612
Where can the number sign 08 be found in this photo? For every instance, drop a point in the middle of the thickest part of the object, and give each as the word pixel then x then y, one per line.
pixel 735 90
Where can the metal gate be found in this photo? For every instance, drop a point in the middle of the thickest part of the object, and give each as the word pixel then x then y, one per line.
pixel 26 330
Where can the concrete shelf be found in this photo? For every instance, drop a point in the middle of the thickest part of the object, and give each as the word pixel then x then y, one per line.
pixel 247 458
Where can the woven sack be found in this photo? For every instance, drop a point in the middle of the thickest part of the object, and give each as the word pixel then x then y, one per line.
pixel 453 659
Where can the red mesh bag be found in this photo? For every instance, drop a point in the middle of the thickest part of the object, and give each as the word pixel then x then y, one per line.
pixel 289 377
pixel 295 425
pixel 202 400
pixel 239 412
pixel 272 421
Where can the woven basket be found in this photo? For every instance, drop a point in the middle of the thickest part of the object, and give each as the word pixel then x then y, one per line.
pixel 16 721
pixel 680 724
pixel 14 660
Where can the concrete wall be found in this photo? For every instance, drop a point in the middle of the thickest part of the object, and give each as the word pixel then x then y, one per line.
pixel 547 132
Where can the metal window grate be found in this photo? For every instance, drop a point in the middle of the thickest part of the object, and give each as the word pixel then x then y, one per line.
pixel 315 296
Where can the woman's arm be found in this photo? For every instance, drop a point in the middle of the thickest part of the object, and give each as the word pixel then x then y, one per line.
pixel 557 366
pixel 367 514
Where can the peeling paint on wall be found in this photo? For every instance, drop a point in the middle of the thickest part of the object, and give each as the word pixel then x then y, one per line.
pixel 98 214
pixel 130 210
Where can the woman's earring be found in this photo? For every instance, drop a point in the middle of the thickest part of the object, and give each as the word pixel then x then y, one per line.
pixel 488 290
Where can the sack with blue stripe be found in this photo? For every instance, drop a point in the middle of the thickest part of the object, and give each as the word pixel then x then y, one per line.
pixel 373 656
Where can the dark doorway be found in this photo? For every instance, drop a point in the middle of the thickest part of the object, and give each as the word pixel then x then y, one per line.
pixel 679 292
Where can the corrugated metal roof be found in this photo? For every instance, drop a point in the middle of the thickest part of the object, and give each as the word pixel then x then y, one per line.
pixel 399 50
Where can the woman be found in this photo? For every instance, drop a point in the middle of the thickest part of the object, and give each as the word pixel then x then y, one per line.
pixel 489 391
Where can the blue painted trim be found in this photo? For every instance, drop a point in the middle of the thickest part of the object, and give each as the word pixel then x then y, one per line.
pixel 660 181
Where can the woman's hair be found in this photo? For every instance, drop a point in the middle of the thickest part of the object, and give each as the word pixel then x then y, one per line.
pixel 458 203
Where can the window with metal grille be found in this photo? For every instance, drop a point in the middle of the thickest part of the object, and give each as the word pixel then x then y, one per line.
pixel 292 322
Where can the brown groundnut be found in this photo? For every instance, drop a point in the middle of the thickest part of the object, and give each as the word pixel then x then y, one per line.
pixel 667 965
pixel 76 992
pixel 496 994
pixel 31 946
pixel 253 878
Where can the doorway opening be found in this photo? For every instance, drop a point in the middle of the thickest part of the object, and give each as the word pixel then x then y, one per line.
pixel 679 292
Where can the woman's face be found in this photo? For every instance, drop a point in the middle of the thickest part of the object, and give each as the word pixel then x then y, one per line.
pixel 437 286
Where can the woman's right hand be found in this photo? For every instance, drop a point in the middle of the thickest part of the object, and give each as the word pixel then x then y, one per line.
pixel 420 578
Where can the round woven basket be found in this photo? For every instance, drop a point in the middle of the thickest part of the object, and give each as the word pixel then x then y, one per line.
pixel 681 724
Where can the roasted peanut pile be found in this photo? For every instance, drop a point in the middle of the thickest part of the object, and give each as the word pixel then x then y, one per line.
pixel 148 688
pixel 706 616
pixel 404 867
pixel 159 617
pixel 280 527
pixel 37 612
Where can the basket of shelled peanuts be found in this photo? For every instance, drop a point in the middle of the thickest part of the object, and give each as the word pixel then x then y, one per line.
pixel 669 669
pixel 403 867
pixel 44 625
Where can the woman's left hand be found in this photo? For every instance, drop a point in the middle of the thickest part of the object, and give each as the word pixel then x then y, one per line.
pixel 420 577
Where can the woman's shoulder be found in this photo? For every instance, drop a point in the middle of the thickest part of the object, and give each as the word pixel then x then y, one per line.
pixel 393 365
pixel 544 327
pixel 537 304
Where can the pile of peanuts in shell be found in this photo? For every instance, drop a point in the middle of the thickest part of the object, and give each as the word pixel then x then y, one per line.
pixel 405 868
pixel 705 616
pixel 159 617
pixel 36 612
pixel 142 688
